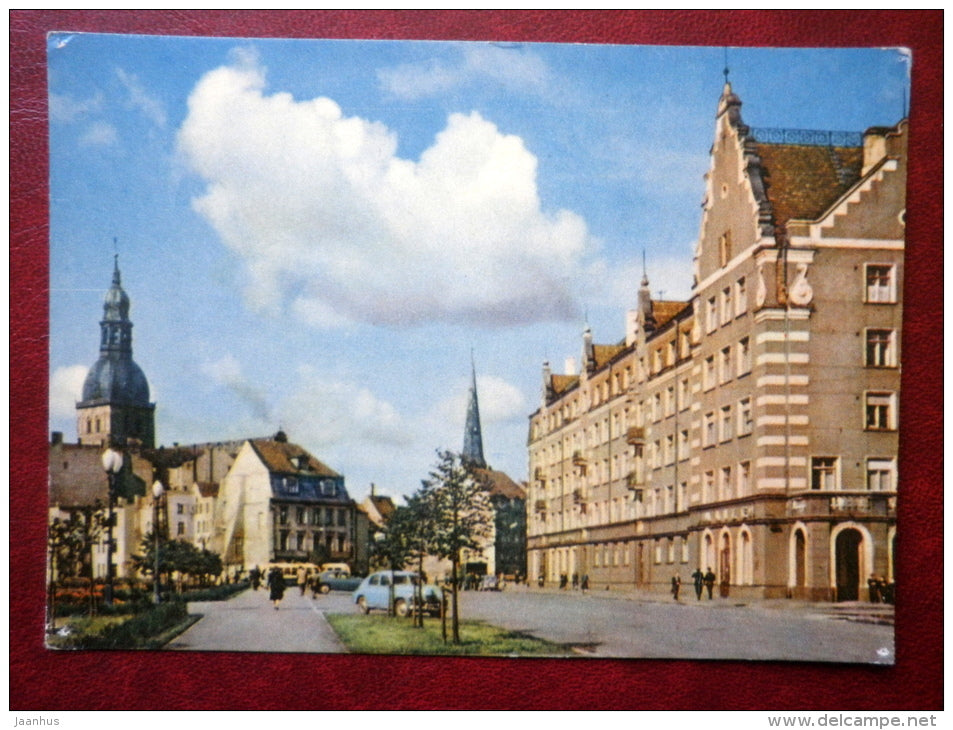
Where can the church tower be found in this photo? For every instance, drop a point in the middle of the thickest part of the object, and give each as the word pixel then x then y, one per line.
pixel 473 436
pixel 115 405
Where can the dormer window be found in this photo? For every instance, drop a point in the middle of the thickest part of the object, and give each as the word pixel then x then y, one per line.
pixel 300 462
pixel 290 485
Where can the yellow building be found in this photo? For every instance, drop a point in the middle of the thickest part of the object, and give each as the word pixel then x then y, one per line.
pixel 752 429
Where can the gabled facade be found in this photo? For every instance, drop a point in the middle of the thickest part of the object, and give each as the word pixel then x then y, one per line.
pixel 752 429
pixel 279 503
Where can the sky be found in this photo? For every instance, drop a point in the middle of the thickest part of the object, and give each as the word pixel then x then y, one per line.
pixel 325 236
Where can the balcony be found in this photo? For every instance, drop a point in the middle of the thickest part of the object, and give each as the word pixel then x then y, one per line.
pixel 633 480
pixel 540 505
pixel 635 436
pixel 578 496
pixel 578 459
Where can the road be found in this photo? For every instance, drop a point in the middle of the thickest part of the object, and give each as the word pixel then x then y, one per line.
pixel 249 622
pixel 594 624
pixel 629 625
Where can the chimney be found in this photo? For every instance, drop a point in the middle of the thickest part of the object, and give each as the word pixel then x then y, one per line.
pixel 56 438
pixel 373 489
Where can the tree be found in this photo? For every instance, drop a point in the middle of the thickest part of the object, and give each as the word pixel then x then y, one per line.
pixel 458 504
pixel 177 556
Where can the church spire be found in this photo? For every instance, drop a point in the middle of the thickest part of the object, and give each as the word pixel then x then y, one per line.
pixel 473 435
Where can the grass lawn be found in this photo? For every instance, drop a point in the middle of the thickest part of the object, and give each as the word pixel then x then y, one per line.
pixel 387 635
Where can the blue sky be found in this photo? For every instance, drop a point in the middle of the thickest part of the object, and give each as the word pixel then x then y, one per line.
pixel 315 235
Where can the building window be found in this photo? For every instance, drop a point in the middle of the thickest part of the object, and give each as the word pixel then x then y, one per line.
pixel 741 297
pixel 726 423
pixel 708 486
pixel 708 374
pixel 671 550
pixel 300 540
pixel 669 449
pixel 724 486
pixel 683 444
pixel 880 283
pixel 824 473
pixel 745 420
pixel 684 395
pixel 658 552
pixel 283 516
pixel 724 365
pixel 727 311
pixel 670 400
pixel 744 356
pixel 881 351
pixel 880 475
pixel 302 516
pixel 744 478
pixel 657 407
pixel 709 433
pixel 684 542
pixel 879 411
pixel 180 529
pixel 180 509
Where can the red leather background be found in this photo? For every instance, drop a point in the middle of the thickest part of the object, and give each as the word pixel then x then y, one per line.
pixel 41 680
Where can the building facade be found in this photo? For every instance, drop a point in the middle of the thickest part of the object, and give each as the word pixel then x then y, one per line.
pixel 252 501
pixel 752 429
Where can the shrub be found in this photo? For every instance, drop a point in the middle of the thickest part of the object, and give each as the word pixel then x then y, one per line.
pixel 139 632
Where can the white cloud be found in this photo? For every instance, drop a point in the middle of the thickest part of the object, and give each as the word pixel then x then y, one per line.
pixel 99 134
pixel 66 388
pixel 499 401
pixel 140 99
pixel 512 68
pixel 64 108
pixel 332 225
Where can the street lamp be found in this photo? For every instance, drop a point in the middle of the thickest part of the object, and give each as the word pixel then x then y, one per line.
pixel 157 491
pixel 112 464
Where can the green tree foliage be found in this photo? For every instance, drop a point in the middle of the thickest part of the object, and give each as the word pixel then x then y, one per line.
pixel 459 516
pixel 178 556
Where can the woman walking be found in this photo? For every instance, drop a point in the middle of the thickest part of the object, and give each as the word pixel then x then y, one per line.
pixel 276 586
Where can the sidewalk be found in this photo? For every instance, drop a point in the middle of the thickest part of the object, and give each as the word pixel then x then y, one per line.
pixel 249 622
pixel 860 611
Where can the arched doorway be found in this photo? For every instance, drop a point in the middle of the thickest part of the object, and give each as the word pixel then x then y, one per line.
pixel 724 565
pixel 847 559
pixel 800 559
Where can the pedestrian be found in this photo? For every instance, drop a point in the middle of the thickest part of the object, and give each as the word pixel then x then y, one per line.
pixel 315 584
pixel 698 579
pixel 874 588
pixel 585 583
pixel 254 575
pixel 575 581
pixel 276 586
pixel 676 585
pixel 302 578
pixel 709 581
pixel 562 581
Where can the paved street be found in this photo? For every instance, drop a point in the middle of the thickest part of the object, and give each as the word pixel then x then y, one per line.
pixel 651 626
pixel 248 622
pixel 596 624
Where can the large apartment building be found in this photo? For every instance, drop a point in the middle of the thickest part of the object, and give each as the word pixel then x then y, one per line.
pixel 753 429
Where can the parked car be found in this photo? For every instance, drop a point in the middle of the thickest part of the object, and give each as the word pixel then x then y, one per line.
pixel 337 580
pixel 374 593
pixel 491 583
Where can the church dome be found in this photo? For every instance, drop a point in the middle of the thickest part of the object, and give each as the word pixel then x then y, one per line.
pixel 116 380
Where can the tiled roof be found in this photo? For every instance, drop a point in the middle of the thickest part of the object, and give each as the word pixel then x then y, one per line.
pixel 500 483
pixel 384 505
pixel 803 181
pixel 562 383
pixel 665 311
pixel 278 456
pixel 604 353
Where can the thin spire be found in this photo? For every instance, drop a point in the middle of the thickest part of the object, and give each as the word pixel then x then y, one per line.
pixel 726 71
pixel 473 432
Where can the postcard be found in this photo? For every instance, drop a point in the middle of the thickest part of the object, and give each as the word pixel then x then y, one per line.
pixel 475 348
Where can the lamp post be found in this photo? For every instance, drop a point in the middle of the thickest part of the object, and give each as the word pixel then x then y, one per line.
pixel 157 491
pixel 112 464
